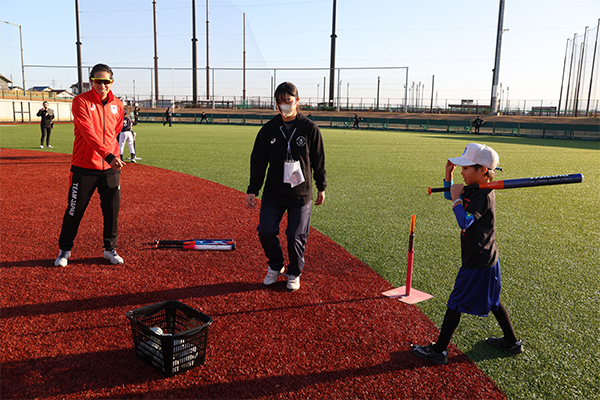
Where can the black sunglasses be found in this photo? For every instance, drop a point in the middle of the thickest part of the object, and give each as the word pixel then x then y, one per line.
pixel 102 81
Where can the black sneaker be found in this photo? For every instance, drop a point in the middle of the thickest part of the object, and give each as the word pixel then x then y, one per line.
pixel 500 343
pixel 428 353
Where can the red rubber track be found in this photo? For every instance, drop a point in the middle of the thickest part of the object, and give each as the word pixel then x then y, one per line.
pixel 65 334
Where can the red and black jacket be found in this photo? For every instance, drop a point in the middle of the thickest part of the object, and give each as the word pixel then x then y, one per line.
pixel 97 128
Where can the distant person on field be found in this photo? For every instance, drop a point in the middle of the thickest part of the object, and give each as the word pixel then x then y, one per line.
pixel 46 123
pixel 168 115
pixel 127 135
pixel 95 165
pixel 136 115
pixel 356 120
pixel 477 286
pixel 203 117
pixel 477 124
pixel 288 150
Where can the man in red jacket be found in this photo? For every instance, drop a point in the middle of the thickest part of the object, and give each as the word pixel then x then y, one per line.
pixel 98 119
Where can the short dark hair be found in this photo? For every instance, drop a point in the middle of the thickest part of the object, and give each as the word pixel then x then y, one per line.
pixel 284 89
pixel 101 68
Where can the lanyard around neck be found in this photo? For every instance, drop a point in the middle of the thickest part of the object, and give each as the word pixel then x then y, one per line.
pixel 289 141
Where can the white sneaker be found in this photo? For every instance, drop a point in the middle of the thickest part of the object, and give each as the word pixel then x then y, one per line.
pixel 50 147
pixel 62 259
pixel 113 256
pixel 42 146
pixel 271 277
pixel 293 282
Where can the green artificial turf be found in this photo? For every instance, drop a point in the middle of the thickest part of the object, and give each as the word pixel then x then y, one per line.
pixel 549 237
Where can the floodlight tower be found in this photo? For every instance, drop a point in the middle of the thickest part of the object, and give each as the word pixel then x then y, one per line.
pixel 155 55
pixel 78 44
pixel 207 65
pixel 332 63
pixel 194 58
pixel 22 64
pixel 496 70
pixel 244 64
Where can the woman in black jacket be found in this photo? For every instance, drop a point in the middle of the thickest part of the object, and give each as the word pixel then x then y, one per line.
pixel 288 150
pixel 46 124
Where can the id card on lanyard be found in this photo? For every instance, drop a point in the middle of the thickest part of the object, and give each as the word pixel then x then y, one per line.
pixel 292 172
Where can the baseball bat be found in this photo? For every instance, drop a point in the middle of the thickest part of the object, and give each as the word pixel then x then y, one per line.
pixel 523 182
pixel 196 244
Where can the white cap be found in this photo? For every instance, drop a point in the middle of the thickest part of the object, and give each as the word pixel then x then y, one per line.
pixel 477 154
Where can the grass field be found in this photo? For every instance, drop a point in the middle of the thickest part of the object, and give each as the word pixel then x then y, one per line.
pixel 549 237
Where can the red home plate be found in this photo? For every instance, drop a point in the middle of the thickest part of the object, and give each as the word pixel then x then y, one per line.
pixel 413 296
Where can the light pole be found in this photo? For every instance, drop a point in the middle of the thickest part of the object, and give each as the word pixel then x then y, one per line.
pixel 499 99
pixel 194 56
pixel 317 94
pixel 332 61
pixel 22 63
pixel 496 70
pixel 155 55
pixel 207 64
pixel 348 96
pixel 78 45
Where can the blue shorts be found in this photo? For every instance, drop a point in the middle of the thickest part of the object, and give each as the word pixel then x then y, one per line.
pixel 476 291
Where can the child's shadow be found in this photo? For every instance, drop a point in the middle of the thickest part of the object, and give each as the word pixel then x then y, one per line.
pixel 482 351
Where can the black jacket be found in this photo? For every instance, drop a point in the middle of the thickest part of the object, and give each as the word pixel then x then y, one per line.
pixel 270 150
pixel 47 117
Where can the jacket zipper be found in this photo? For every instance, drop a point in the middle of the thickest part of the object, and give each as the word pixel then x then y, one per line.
pixel 104 130
pixel 104 123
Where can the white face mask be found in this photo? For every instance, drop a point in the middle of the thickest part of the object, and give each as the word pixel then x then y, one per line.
pixel 287 110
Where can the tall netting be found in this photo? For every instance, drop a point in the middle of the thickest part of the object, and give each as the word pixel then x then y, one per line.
pixel 353 88
pixel 579 89
pixel 377 88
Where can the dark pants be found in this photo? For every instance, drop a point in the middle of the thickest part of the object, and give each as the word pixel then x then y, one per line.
pixel 296 232
pixel 46 133
pixel 452 319
pixel 81 191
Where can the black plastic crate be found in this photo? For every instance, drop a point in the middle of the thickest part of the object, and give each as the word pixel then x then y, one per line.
pixel 170 336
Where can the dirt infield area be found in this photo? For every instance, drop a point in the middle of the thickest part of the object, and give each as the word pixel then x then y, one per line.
pixel 65 334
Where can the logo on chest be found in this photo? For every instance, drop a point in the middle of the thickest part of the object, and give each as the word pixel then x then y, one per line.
pixel 301 141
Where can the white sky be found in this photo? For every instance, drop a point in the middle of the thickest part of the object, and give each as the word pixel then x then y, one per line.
pixel 452 40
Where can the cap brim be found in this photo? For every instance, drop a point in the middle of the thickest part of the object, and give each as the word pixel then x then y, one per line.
pixel 463 162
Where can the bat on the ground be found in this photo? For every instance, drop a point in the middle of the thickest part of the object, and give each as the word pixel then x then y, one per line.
pixel 196 244
pixel 523 182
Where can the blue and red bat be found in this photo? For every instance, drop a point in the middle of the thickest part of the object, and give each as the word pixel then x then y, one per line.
pixel 196 244
pixel 519 183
